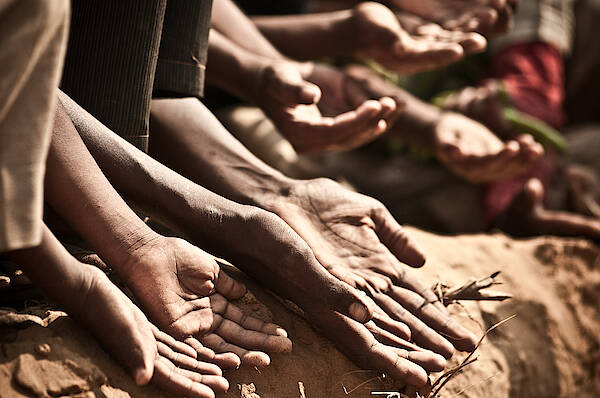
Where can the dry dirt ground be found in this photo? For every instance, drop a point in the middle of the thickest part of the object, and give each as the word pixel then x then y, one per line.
pixel 551 349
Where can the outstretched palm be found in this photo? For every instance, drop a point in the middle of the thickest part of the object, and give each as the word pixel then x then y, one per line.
pixel 182 289
pixel 484 16
pixel 359 242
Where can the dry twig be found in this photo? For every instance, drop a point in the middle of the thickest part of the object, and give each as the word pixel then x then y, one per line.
pixel 472 290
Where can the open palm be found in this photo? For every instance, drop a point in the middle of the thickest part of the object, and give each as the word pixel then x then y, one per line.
pixel 183 290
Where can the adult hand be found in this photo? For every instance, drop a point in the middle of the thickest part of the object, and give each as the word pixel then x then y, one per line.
pixel 295 98
pixel 405 43
pixel 483 16
pixel 357 240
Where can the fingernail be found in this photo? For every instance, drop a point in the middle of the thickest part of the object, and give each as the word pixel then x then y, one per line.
pixel 281 332
pixel 359 312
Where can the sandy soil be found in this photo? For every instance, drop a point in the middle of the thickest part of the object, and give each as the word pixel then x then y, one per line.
pixel 551 349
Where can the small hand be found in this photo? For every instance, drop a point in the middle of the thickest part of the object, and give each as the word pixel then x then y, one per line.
pixel 474 153
pixel 357 240
pixel 307 105
pixel 183 290
pixel 146 352
pixel 484 16
pixel 405 43
pixel 527 216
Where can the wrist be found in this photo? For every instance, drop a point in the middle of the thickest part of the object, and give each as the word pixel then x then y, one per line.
pixel 265 189
pixel 131 245
pixel 343 28
pixel 418 124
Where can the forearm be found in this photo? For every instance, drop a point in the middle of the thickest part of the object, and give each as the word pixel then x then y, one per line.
pixel 415 124
pixel 188 138
pixel 78 191
pixel 230 21
pixel 50 267
pixel 232 68
pixel 177 202
pixel 309 36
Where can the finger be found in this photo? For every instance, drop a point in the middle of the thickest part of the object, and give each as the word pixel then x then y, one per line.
pixel 473 43
pixel 167 378
pixel 174 344
pixel 250 339
pixel 395 238
pixel 287 85
pixel 530 146
pixel 430 361
pixel 389 110
pixel 355 340
pixel 351 129
pixel 442 323
pixel 504 20
pixel 486 18
pixel 390 325
pixel 421 334
pixel 387 338
pixel 427 54
pixel 234 314
pixel 251 358
pixel 366 113
pixel 216 382
pixel 229 287
pixel 226 360
pixel 186 362
pixel 410 281
pixel 139 359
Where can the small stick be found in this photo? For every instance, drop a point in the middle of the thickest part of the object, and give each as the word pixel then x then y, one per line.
pixel 301 388
pixel 472 290
pixel 450 374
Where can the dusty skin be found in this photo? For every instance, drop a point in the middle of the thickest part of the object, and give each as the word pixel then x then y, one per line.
pixel 528 215
pixel 466 147
pixel 548 350
pixel 406 43
pixel 484 16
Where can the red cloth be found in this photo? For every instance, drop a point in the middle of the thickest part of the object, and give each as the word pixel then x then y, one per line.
pixel 533 75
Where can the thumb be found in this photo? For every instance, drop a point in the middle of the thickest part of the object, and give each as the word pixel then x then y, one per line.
pixel 285 83
pixel 315 287
pixel 339 296
pixel 345 299
pixel 140 359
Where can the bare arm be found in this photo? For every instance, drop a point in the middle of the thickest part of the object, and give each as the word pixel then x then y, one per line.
pixel 309 36
pixel 230 21
pixel 258 241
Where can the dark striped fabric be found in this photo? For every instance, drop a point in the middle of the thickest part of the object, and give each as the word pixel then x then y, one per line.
pixel 116 58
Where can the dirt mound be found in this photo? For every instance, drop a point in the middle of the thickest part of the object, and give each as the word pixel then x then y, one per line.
pixel 551 349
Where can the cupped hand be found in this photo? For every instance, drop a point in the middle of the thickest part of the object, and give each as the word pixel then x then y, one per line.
pixel 357 240
pixel 148 353
pixel 471 151
pixel 405 43
pixel 183 290
pixel 484 16
pixel 298 99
